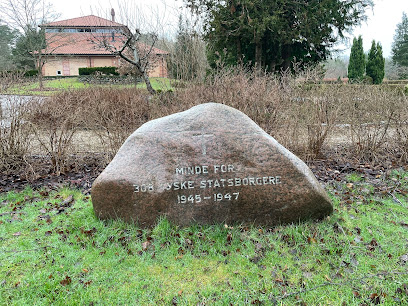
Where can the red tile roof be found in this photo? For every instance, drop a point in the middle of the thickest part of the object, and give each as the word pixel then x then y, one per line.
pixel 86 21
pixel 88 44
pixel 77 43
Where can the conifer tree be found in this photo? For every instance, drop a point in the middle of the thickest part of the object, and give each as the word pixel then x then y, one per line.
pixel 400 46
pixel 356 67
pixel 375 63
pixel 275 34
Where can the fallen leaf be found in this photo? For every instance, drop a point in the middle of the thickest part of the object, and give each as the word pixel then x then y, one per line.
pixel 66 281
pixel 44 193
pixel 337 228
pixel 356 294
pixel 145 245
pixel 373 242
pixel 311 240
pixel 375 298
pixel 229 238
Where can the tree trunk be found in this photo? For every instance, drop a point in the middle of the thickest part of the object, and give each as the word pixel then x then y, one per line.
pixel 148 84
pixel 258 54
pixel 272 66
pixel 40 76
pixel 239 51
pixel 139 67
pixel 287 57
pixel 143 71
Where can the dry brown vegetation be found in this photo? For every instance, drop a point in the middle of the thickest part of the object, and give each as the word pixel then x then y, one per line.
pixel 313 120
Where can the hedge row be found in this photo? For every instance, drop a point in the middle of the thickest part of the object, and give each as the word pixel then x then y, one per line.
pixel 103 70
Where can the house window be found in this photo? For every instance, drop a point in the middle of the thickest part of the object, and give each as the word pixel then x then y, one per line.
pixel 52 30
pixel 59 72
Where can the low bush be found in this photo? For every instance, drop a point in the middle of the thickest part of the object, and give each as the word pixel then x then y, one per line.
pixel 14 133
pixel 31 73
pixel 9 79
pixel 55 120
pixel 363 121
pixel 102 70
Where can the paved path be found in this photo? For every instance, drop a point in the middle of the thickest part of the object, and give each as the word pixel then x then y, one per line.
pixel 7 102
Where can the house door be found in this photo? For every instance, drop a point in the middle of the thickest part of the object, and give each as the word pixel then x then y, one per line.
pixel 65 68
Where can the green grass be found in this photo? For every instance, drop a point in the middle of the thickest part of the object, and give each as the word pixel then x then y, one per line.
pixel 162 84
pixel 54 251
pixel 354 177
pixel 54 86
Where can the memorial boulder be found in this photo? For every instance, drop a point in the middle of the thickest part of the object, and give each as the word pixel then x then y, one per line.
pixel 209 164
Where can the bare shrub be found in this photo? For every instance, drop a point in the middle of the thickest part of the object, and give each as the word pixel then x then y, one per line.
pixel 14 132
pixel 55 120
pixel 369 110
pixel 291 108
pixel 9 79
pixel 401 127
pixel 255 95
pixel 300 111
pixel 309 114
pixel 111 114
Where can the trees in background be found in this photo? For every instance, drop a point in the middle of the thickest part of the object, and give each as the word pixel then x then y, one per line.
pixel 272 34
pixel 7 40
pixel 356 67
pixel 374 68
pixel 400 46
pixel 25 52
pixel 375 63
pixel 335 68
pixel 187 57
pixel 26 16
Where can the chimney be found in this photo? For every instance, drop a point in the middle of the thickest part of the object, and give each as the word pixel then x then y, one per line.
pixel 113 15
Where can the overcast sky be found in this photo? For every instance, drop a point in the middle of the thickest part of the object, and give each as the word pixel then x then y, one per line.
pixel 381 23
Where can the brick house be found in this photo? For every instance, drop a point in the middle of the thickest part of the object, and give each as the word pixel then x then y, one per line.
pixel 76 43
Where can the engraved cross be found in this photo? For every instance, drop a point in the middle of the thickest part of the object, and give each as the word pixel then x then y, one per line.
pixel 202 135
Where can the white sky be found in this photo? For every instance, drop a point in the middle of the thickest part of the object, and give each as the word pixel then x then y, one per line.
pixel 381 23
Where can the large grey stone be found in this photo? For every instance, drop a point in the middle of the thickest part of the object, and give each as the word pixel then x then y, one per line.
pixel 209 164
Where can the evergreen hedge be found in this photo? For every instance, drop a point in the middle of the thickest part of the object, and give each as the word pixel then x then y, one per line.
pixel 92 70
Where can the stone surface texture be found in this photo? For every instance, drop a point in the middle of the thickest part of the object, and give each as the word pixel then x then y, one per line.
pixel 209 164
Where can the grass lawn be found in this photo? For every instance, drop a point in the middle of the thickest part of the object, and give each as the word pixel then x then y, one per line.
pixel 53 86
pixel 54 251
